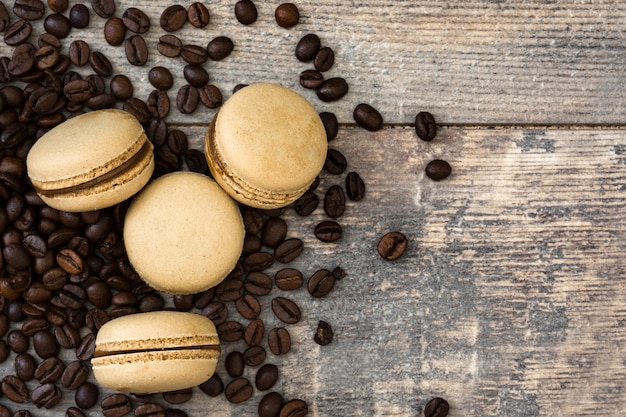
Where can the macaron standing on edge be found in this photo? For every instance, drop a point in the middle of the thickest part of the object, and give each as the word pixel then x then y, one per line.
pixel 266 145
pixel 91 161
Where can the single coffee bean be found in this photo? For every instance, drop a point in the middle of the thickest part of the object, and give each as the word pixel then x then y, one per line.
pixel 122 89
pixel 173 18
pixel 220 47
pixel 210 96
pixel 179 396
pixel 79 53
pixel 288 250
pixel 320 283
pixel 196 75
pixel 254 332
pixel 279 341
pixel 367 117
pixel 238 390
pixel 245 12
pixel 14 389
pixel 230 331
pixel 187 99
pixel 229 290
pixel 67 336
pixel 103 8
pixel 18 32
pixel 212 387
pixel 332 89
pixel 288 279
pixel 438 169
pixel 334 201
pixel 258 283
pixel 75 374
pixel 286 310
pixel 287 15
pixel 259 261
pixel 49 370
pixel 25 366
pixel 249 307
pixel 392 245
pixel 100 64
pixel 254 355
pixel 307 47
pixel 114 31
pixel 294 408
pixel 270 405
pixel 323 334
pixel 78 91
pixel 46 57
pixel 311 79
pixel 46 395
pixel 251 244
pixel 198 14
pixel 266 377
pixel 306 204
pixel 273 232
pixel 234 364
pixel 136 20
pixel 16 256
pixel 194 54
pixel 35 245
pixel 22 60
pixel 328 231
pixel 159 105
pixel 70 261
pixel 138 108
pixel 149 409
pixel 169 46
pixel 58 25
pixel 79 16
pixel 437 407
pixel 86 347
pixel 136 50
pixel 324 59
pixel 45 344
pixel 86 395
pixel 425 126
pixel 335 163
pixel 355 187
pixel 29 9
pixel 116 405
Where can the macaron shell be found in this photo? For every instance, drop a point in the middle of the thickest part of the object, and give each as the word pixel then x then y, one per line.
pixel 183 234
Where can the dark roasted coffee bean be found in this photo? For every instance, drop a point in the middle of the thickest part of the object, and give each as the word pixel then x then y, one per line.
pixel 78 91
pixel 210 96
pixel 194 54
pixel 70 261
pixel 332 89
pixel 355 187
pixel 230 331
pixel 75 374
pixel 74 412
pixel 245 12
pixel 220 47
pixel 100 64
pixel 183 302
pixel 306 204
pixel 46 57
pixel 46 395
pixel 86 395
pixel 288 279
pixel 58 25
pixel 323 333
pixel 169 46
pixel 136 50
pixel 121 87
pixel 159 105
pixel 266 377
pixel 161 78
pixel 288 250
pixel 114 31
pixel 187 99
pixel 270 405
pixel 79 53
pixel 25 366
pixel 392 245
pixel 367 117
pixel 254 355
pixel 335 163
pixel 29 9
pixel 79 16
pixel 16 256
pixel 234 364
pixel 259 261
pixel 198 15
pixel 251 244
pixel 425 126
pixel 178 397
pixel 328 231
pixel 96 318
pixel 286 310
pixel 5 18
pixel 229 290
pixel 149 410
pixel 58 6
pixel 177 141
pixel 196 75
pixel 195 161
pixel 287 15
pixel 437 407
pixel 14 389
pixel 307 47
pixel 49 370
pixel 138 108
pixel 294 408
pixel 115 405
pixel 274 232
pixel 254 332
pixel 334 201
pixel 35 245
pixel 238 390
pixel 212 386
pixel 249 307
pixel 86 347
pixel 324 59
pixel 67 336
pixel 311 79
pixel 252 220
pixel 438 169
pixel 48 39
pixel 22 60
pixel 103 8
pixel 18 32
pixel 204 298
pixel 45 344
pixel 258 283
pixel 173 18
pixel 136 20
pixel 320 283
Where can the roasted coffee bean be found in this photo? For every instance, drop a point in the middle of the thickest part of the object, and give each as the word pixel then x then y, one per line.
pixel 138 108
pixel 198 15
pixel 79 16
pixel 86 395
pixel 238 390
pixel 220 47
pixel 67 336
pixel 210 96
pixel 149 409
pixel 196 75
pixel 425 126
pixel 234 364
pixel 212 386
pixel 25 366
pixel 23 60
pixel 248 306
pixel 78 91
pixel 79 53
pixel 328 231
pixel 187 99
pixel 266 377
pixel 274 232
pixel 136 50
pixel 335 163
pixel 323 333
pixel 230 331
pixel 46 57
pixel 159 105
pixel 367 117
pixel 58 25
pixel 306 203
pixel 324 59
pixel 177 141
pixel 183 302
pixel 245 12
pixel 259 261
pixel 5 18
pixel 334 201
pixel 307 47
pixel 115 405
pixel 16 256
pixel 173 18
pixel 195 161
pixel 103 8
pixel 178 397
pixel 161 78
pixel 294 408
pixel 288 250
pixel 14 389
pixel 288 279
pixel 204 298
pixel 238 87
pixel 311 79
pixel 332 89
pixel 287 15
pixel 251 244
pixel 286 310
pixel 392 245
pixel 48 39
pixel 70 261
pixel 35 245
pixel 254 332
pixel 320 283
pixel 194 54
pixel 136 20
pixel 169 46
pixel 270 405
pixel 258 283
pixel 29 9
pixel 30 326
pixel 252 220
pixel 46 395
pixel 86 347
pixel 121 87
pixel 229 290
pixel 45 344
pixel 49 370
pixel 254 355
pixel 100 64
pixel 96 318
pixel 355 187
pixel 75 374
pixel 437 407
pixel 18 32
pixel 114 31
pixel 438 169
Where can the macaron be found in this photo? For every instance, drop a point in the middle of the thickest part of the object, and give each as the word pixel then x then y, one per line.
pixel 91 161
pixel 183 234
pixel 153 352
pixel 266 145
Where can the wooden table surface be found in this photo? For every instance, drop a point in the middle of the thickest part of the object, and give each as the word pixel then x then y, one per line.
pixel 510 299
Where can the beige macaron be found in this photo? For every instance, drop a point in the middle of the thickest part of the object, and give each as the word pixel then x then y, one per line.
pixel 266 145
pixel 183 234
pixel 153 352
pixel 91 161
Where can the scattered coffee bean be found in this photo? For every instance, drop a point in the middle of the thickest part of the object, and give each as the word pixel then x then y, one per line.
pixel 122 88
pixel 161 78
pixel 332 89
pixel 213 386
pixel 149 409
pixel 173 18
pixel 25 366
pixel 254 332
pixel 179 396
pixel 86 395
pixel 328 231
pixel 254 355
pixel 324 59
pixel 425 126
pixel 258 283
pixel 116 405
pixel 288 250
pixel 294 408
pixel 46 395
pixel 355 187
pixel 249 307
pixel 79 53
pixel 187 99
pixel 334 201
pixel 286 310
pixel 320 283
pixel 103 8
pixel 210 96
pixel 169 46
pixel 306 203
pixel 437 407
pixel 14 389
pixel 18 32
pixel 29 9
pixel 198 15
pixel 136 20
pixel 194 54
pixel 79 16
pixel 114 31
pixel 392 245
pixel 100 64
pixel 311 79
pixel 266 377
pixel 196 75
pixel 234 364
pixel 230 331
pixel 367 117
pixel 335 163
pixel 136 50
pixel 49 370
pixel 220 47
pixel 287 15
pixel 245 12
pixel 238 390
pixel 307 47
pixel 438 169
pixel 58 25
pixel 270 405
pixel 323 334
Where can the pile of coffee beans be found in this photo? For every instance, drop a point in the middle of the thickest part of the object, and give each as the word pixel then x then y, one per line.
pixel 66 274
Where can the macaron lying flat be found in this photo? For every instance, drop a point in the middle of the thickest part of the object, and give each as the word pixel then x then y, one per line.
pixel 153 352
pixel 91 161
pixel 183 234
pixel 266 145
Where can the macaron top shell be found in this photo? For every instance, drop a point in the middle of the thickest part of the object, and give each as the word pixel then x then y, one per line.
pixel 269 139
pixel 183 234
